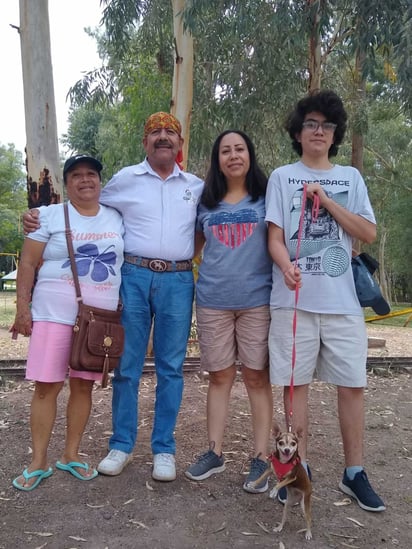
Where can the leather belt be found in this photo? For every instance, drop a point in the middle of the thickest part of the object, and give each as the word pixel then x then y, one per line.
pixel 159 265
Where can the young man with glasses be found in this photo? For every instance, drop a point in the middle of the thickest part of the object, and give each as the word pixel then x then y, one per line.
pixel 330 335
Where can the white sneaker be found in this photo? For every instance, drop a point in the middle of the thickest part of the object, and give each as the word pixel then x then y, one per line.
pixel 164 467
pixel 114 463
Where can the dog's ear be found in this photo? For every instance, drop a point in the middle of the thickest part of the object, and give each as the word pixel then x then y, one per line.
pixel 299 432
pixel 276 430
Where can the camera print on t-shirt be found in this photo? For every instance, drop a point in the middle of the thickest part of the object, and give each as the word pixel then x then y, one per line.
pixel 320 248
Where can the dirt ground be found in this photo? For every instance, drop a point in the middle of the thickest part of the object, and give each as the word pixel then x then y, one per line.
pixel 133 511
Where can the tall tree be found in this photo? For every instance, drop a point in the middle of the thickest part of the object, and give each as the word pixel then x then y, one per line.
pixel 182 93
pixel 42 151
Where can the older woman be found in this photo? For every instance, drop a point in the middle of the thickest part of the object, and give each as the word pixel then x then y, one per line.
pixel 49 314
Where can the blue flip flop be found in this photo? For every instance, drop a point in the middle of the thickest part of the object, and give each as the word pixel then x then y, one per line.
pixel 39 473
pixel 70 467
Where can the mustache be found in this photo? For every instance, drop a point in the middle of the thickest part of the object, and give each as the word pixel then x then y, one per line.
pixel 162 143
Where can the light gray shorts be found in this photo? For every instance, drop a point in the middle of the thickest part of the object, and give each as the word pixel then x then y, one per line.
pixel 229 336
pixel 333 348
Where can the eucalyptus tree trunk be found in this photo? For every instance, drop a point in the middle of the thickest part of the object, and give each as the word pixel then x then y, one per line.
pixel 182 92
pixel 315 57
pixel 44 184
pixel 357 132
pixel 358 126
pixel 383 279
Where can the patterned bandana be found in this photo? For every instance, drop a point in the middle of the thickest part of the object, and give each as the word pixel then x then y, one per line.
pixel 162 120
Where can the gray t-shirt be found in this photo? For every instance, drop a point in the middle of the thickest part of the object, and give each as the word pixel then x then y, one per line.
pixel 325 249
pixel 236 270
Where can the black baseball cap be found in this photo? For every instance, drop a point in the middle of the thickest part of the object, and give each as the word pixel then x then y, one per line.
pixel 73 160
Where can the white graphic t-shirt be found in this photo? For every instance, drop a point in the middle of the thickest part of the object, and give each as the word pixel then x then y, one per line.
pixel 325 248
pixel 98 249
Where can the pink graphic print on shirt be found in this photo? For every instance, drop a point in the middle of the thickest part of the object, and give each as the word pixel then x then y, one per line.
pixel 232 229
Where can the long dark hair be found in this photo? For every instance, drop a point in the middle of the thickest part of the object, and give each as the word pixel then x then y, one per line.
pixel 215 182
pixel 330 105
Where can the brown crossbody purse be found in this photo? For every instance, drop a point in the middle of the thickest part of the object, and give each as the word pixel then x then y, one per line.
pixel 98 336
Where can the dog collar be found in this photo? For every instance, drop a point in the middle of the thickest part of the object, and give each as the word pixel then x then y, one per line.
pixel 282 469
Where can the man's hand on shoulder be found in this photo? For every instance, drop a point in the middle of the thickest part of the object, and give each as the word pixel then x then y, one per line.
pixel 31 221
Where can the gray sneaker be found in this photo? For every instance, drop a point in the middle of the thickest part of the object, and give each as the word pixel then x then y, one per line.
pixel 257 468
pixel 206 465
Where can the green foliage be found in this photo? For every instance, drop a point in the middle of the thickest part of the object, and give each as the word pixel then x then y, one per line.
pixel 135 80
pixel 250 67
pixel 11 174
pixel 11 238
pixel 388 172
pixel 119 135
pixel 12 204
pixel 83 130
pixel 239 79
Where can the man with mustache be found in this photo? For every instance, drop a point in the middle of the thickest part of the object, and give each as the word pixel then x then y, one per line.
pixel 158 202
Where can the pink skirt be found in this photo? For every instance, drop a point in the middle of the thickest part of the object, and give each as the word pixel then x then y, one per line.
pixel 48 355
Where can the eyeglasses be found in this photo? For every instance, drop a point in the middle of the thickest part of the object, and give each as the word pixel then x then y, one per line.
pixel 314 125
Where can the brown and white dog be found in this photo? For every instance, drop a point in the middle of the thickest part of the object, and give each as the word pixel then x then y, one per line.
pixel 285 463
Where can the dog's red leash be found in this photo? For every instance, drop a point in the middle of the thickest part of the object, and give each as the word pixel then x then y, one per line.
pixel 315 212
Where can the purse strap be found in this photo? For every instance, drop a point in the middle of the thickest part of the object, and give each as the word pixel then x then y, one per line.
pixel 71 252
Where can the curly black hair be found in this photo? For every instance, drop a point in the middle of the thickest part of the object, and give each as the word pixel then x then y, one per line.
pixel 215 182
pixel 330 105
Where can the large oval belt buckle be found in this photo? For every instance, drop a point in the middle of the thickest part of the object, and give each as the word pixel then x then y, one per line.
pixel 157 265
